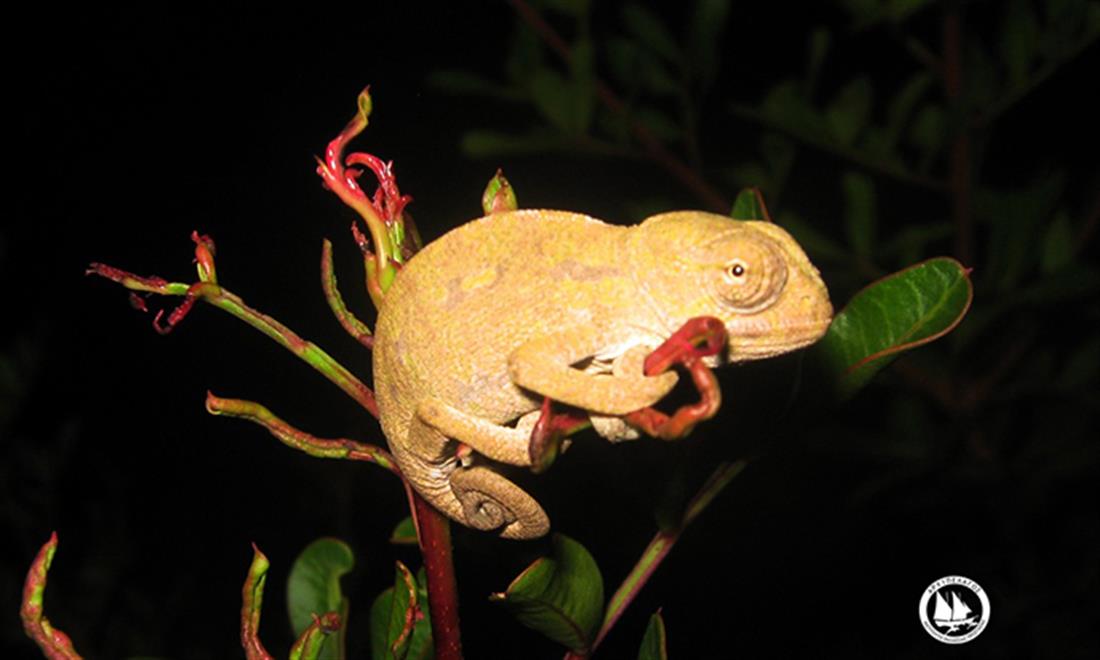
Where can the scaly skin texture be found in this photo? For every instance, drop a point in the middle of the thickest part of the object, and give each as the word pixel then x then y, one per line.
pixel 486 321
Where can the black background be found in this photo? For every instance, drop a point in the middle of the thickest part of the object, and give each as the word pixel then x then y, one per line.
pixel 134 127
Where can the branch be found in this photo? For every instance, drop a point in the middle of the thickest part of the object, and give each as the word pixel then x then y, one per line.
pixel 434 532
pixel 702 189
pixel 208 290
pixel 294 438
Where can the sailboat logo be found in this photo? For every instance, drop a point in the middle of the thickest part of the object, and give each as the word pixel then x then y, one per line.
pixel 954 609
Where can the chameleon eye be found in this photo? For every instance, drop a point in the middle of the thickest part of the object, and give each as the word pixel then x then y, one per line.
pixel 736 270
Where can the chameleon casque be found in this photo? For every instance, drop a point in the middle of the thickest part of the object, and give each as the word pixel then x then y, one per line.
pixel 487 320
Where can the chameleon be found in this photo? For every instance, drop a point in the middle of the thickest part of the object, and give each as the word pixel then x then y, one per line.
pixel 485 322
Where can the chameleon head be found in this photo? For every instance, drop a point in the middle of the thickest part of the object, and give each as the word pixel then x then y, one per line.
pixel 750 274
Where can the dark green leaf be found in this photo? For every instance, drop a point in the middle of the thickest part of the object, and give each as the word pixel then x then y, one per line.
pixel 467 82
pixel 749 205
pixel 897 313
pixel 786 107
pixel 901 107
pixel 708 19
pixel 778 152
pixel 659 124
pixel 1018 39
pixel 551 93
pixel 847 113
pixel 647 28
pixel 926 134
pixel 1018 214
pixel 820 39
pixel 422 647
pixel 1058 245
pixel 405 531
pixel 859 212
pixel 654 642
pixel 560 596
pixel 583 83
pixel 817 244
pixel 393 623
pixel 313 588
pixel 910 243
pixel 487 144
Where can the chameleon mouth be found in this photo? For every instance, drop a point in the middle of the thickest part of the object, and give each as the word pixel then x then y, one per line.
pixel 755 338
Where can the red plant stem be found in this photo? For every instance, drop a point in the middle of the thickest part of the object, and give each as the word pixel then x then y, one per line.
pixel 434 531
pixel 959 158
pixel 653 147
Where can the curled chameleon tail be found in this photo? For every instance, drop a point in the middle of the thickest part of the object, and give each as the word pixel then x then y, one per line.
pixel 490 501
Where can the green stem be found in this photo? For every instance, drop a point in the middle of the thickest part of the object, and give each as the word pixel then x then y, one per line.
pixel 229 302
pixel 658 549
pixel 340 448
pixel 352 325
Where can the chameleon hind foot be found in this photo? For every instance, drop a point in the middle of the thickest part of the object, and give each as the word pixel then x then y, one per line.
pixel 491 502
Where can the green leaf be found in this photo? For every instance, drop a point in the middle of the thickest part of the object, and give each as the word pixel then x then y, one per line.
pixel 313 588
pixel 901 107
pixel 820 40
pixel 897 313
pixel 817 244
pixel 926 133
pixel 551 94
pixel 859 212
pixel 1018 215
pixel 648 30
pixel 487 143
pixel 467 82
pixel 749 205
pixel 654 642
pixel 708 19
pixel 560 596
pixel 395 632
pixel 847 113
pixel 1018 39
pixel 1058 245
pixel 405 531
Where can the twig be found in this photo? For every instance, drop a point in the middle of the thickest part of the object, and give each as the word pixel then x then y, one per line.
pixel 223 299
pixel 53 643
pixel 657 550
pixel 352 325
pixel 706 193
pixel 341 448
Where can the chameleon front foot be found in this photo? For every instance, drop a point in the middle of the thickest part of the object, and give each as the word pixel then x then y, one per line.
pixel 491 502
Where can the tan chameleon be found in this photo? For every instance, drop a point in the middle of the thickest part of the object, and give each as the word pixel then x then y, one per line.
pixel 483 323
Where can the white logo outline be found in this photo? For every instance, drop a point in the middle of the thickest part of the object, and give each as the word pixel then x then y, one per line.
pixel 954 621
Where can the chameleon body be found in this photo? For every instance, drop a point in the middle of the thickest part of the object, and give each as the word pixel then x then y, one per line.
pixel 484 322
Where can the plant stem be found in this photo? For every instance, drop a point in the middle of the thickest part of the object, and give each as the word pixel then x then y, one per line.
pixel 53 643
pixel 959 174
pixel 231 303
pixel 434 531
pixel 657 550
